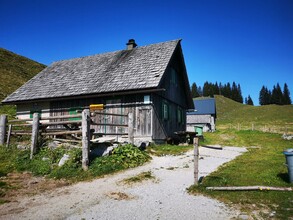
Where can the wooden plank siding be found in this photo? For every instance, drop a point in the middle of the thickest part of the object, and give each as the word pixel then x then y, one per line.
pixel 147 124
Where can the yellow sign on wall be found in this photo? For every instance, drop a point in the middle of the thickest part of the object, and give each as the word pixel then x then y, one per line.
pixel 94 107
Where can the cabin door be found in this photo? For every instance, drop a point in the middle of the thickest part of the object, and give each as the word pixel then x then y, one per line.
pixel 144 121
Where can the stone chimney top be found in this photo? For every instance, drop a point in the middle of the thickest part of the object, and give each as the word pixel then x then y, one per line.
pixel 131 44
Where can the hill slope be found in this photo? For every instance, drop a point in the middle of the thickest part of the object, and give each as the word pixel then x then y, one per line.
pixel 15 70
pixel 231 112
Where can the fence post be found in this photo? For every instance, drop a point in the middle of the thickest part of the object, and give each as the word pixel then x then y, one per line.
pixel 35 134
pixel 8 135
pixel 3 121
pixel 85 124
pixel 195 141
pixel 130 128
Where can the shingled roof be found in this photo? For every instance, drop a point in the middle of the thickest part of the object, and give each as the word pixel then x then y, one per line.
pixel 124 70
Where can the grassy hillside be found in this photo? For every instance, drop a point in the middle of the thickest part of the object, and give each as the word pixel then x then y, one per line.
pixel 15 70
pixel 233 113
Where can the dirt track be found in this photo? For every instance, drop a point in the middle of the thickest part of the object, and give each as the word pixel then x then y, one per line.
pixel 109 198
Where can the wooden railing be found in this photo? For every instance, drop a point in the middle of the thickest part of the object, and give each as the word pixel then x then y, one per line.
pixel 40 126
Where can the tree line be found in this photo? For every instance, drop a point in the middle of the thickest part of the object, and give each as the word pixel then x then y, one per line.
pixel 233 91
pixel 276 96
pixel 210 89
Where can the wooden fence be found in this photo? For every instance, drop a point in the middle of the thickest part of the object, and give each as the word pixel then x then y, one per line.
pixel 48 126
pixel 272 128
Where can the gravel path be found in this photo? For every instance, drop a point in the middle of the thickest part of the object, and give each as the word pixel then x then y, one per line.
pixel 110 198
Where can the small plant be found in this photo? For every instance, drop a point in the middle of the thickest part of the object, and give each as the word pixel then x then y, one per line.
pixel 127 156
pixel 140 177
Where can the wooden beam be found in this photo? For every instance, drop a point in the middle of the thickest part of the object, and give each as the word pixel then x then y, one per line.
pixel 108 124
pixel 105 113
pixel 66 140
pixel 195 142
pixel 22 125
pixel 61 117
pixel 3 122
pixel 20 120
pixel 250 188
pixel 61 122
pixel 85 138
pixel 102 133
pixel 35 134
pixel 61 132
pixel 130 128
pixel 8 135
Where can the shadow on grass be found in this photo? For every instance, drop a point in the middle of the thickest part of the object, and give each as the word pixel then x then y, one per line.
pixel 284 177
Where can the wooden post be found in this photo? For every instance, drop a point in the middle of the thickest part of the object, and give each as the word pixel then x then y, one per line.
pixel 238 127
pixel 252 126
pixel 3 121
pixel 85 124
pixel 195 141
pixel 116 134
pixel 8 135
pixel 35 134
pixel 130 128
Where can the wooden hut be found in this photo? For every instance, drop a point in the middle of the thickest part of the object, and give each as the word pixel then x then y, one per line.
pixel 203 116
pixel 149 81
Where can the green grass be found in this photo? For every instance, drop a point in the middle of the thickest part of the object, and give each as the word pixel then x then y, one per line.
pixel 263 165
pixel 45 163
pixel 167 149
pixel 15 70
pixel 233 113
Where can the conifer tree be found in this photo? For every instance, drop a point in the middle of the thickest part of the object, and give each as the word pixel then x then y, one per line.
pixel 216 89
pixel 249 100
pixel 286 95
pixel 239 94
pixel 261 98
pixel 194 90
pixel 277 95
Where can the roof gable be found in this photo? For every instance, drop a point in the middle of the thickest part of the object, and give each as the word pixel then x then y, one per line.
pixel 139 68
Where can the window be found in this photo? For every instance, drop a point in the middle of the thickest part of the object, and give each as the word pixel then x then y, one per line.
pixel 165 111
pixel 146 99
pixel 180 116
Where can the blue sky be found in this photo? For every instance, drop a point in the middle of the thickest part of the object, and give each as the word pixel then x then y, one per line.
pixel 246 41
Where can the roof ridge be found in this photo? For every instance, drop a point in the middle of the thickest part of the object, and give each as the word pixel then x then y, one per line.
pixel 116 51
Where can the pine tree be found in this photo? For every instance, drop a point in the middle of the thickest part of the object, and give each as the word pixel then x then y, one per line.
pixel 234 92
pixel 249 100
pixel 286 95
pixel 261 98
pixel 199 90
pixel 229 90
pixel 277 95
pixel 265 96
pixel 194 90
pixel 216 89
pixel 268 96
pixel 239 94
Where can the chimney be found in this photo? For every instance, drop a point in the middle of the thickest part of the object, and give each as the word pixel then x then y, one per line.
pixel 131 44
